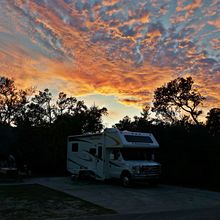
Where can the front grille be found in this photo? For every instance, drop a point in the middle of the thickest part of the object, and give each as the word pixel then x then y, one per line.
pixel 150 169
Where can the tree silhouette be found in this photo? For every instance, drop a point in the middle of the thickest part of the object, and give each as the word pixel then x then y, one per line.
pixel 125 124
pixel 40 110
pixel 65 105
pixel 12 101
pixel 143 122
pixel 176 97
pixel 145 114
pixel 213 121
pixel 139 123
pixel 93 119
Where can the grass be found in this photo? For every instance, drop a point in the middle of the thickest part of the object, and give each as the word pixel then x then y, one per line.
pixel 38 202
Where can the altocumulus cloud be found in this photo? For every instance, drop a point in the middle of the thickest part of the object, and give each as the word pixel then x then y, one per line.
pixel 120 47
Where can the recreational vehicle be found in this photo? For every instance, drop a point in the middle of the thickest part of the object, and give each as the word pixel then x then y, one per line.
pixel 124 155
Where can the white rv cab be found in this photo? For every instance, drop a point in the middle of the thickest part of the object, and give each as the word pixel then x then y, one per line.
pixel 123 155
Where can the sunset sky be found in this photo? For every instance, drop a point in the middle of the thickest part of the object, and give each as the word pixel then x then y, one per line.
pixel 113 53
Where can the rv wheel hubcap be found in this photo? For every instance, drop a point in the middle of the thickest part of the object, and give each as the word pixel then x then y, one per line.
pixel 126 180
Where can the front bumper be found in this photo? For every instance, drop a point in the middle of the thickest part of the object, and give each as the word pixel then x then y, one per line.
pixel 140 177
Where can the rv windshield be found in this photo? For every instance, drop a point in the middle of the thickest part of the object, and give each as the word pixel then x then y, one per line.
pixel 137 154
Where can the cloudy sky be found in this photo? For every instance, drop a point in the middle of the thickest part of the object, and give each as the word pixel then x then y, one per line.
pixel 113 53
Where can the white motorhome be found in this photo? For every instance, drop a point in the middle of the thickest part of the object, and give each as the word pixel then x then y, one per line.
pixel 124 155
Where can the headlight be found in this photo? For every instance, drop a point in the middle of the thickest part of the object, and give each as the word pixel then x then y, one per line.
pixel 136 169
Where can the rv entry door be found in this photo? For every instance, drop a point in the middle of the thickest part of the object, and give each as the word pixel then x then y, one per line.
pixel 99 163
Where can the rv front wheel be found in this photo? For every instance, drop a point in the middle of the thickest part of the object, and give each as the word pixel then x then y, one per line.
pixel 126 179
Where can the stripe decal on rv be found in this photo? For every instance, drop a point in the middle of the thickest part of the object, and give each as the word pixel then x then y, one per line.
pixel 95 156
pixel 89 159
pixel 77 163
pixel 77 139
pixel 114 164
pixel 117 142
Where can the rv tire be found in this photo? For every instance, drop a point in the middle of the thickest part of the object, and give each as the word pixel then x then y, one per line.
pixel 126 179
pixel 74 177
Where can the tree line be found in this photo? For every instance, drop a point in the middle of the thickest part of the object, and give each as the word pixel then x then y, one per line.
pixel 35 127
pixel 28 108
pixel 176 102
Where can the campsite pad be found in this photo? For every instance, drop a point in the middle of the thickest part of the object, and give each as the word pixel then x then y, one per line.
pixel 34 201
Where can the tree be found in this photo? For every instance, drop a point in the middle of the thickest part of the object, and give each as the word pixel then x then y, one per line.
pixel 12 101
pixel 93 119
pixel 40 111
pixel 145 114
pixel 143 122
pixel 213 121
pixel 175 98
pixel 76 115
pixel 125 124
pixel 65 105
pixel 139 123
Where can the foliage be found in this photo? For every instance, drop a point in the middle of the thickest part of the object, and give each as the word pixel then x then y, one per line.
pixel 65 105
pixel 125 124
pixel 93 117
pixel 139 123
pixel 176 97
pixel 40 110
pixel 12 101
pixel 213 121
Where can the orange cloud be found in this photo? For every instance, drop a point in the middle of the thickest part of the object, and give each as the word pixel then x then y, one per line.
pixel 215 42
pixel 189 7
pixel 215 23
pixel 185 10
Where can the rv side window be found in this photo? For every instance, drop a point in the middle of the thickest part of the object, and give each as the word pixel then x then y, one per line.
pixel 75 147
pixel 143 139
pixel 92 151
